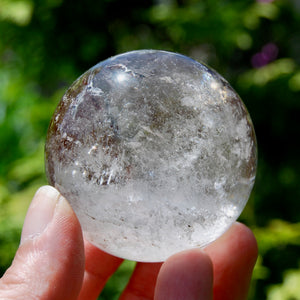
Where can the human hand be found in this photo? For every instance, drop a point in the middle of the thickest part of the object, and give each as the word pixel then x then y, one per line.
pixel 54 262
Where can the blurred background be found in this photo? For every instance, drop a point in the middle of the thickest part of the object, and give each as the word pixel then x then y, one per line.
pixel 46 44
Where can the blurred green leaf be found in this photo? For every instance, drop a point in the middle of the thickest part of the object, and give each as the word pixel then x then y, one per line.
pixel 268 73
pixel 289 289
pixel 118 281
pixel 18 12
pixel 278 233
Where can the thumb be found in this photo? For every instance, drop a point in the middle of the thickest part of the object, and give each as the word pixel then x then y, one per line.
pixel 49 263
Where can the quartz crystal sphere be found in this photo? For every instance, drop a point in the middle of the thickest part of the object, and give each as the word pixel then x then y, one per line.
pixel 155 152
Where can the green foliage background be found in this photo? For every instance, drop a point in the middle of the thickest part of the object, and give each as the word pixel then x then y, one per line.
pixel 46 44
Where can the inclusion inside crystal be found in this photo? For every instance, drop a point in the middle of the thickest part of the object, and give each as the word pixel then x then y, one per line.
pixel 155 152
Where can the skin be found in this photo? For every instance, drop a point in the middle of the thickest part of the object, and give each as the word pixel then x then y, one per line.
pixel 55 262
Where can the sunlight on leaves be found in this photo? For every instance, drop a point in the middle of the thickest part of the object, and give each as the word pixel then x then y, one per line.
pixel 277 233
pixel 268 73
pixel 289 289
pixel 294 82
pixel 18 12
pixel 257 11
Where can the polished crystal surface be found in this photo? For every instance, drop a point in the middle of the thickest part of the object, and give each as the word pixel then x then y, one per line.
pixel 155 152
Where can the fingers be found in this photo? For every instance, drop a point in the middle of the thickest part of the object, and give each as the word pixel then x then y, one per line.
pixel 99 266
pixel 225 273
pixel 49 263
pixel 142 282
pixel 234 255
pixel 186 275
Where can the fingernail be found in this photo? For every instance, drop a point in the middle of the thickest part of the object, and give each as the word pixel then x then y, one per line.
pixel 40 213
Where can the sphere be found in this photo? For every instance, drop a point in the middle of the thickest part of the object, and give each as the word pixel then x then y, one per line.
pixel 155 152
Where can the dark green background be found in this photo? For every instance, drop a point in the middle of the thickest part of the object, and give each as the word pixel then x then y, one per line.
pixel 46 45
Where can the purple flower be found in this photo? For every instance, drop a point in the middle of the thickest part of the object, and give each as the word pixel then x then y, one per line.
pixel 268 53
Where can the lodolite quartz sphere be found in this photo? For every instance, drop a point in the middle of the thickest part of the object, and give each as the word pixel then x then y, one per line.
pixel 155 152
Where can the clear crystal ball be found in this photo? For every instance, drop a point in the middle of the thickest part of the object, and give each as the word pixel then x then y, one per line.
pixel 155 152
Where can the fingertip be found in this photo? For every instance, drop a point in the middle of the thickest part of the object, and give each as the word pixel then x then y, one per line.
pixel 186 275
pixel 47 191
pixel 234 256
pixel 240 239
pixel 247 238
pixel 195 259
pixel 40 213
